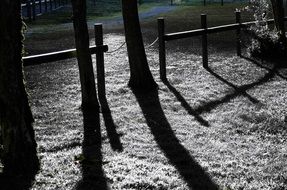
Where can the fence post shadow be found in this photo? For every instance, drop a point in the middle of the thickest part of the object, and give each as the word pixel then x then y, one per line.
pixel 93 176
pixel 256 62
pixel 240 89
pixel 192 173
pixel 114 137
pixel 261 65
pixel 109 122
pixel 185 104
pixel 236 88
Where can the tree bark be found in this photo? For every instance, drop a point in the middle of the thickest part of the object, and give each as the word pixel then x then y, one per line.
pixel 140 75
pixel 18 152
pixel 278 13
pixel 87 78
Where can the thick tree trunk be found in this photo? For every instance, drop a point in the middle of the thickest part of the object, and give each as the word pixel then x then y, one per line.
pixel 17 135
pixel 89 95
pixel 140 75
pixel 278 13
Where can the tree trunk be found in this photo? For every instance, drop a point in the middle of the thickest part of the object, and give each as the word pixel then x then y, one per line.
pixel 88 88
pixel 278 13
pixel 140 75
pixel 18 152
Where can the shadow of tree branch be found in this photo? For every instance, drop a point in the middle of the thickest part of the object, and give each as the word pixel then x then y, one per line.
pixel 178 156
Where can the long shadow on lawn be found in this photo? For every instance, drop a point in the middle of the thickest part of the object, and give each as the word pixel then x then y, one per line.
pixel 16 183
pixel 185 105
pixel 189 169
pixel 239 91
pixel 110 125
pixel 92 159
pixel 236 88
pixel 261 65
pixel 23 178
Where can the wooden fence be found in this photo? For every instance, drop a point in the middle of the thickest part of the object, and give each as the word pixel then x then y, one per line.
pixel 203 32
pixel 33 8
pixel 98 49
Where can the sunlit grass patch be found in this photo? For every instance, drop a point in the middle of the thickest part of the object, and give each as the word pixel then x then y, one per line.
pixel 229 120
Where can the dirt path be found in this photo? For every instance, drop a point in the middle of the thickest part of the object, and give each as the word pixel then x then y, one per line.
pixel 61 36
pixel 107 23
pixel 144 15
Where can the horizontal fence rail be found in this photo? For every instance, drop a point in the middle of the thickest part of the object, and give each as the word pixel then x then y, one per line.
pixel 60 55
pixel 99 49
pixel 210 30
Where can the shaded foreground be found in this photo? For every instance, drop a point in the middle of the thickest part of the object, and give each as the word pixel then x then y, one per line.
pixel 223 127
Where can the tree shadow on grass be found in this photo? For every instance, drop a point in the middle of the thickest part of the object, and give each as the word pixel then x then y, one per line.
pixel 110 125
pixel 178 156
pixel 16 183
pixel 23 175
pixel 93 177
pixel 238 91
pixel 185 105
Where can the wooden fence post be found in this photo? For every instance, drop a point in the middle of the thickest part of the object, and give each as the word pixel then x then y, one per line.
pixel 55 4
pixel 40 6
pixel 222 2
pixel 28 7
pixel 204 2
pixel 98 27
pixel 51 5
pixel 161 49
pixel 204 41
pixel 238 33
pixel 46 6
pixel 34 9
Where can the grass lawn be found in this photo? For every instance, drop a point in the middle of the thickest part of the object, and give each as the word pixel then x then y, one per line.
pixel 224 127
